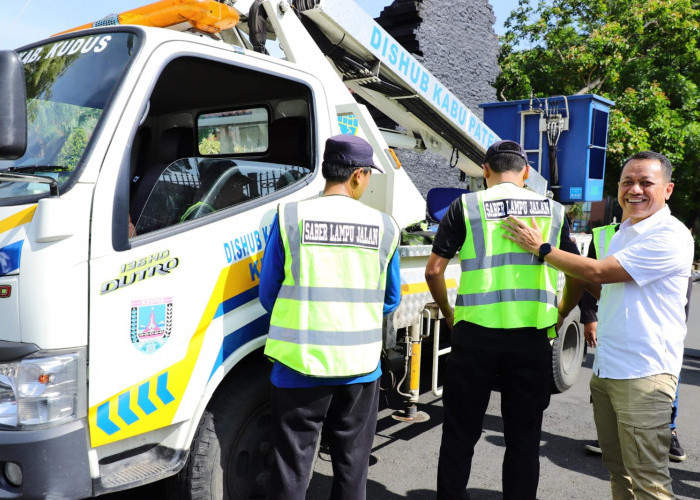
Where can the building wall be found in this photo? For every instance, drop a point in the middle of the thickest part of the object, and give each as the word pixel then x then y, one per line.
pixel 456 42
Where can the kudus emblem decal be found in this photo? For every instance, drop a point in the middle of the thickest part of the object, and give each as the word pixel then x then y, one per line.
pixel 151 323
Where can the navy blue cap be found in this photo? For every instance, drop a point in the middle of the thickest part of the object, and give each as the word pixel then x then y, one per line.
pixel 505 147
pixel 349 151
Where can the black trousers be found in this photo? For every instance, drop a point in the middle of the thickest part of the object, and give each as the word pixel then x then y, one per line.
pixel 349 415
pixel 525 380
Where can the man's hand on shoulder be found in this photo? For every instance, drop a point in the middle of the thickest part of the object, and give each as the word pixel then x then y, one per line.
pixel 527 237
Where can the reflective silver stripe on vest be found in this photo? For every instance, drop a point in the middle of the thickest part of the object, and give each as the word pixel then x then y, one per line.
pixel 503 259
pixel 327 294
pixel 599 245
pixel 385 247
pixel 482 261
pixel 497 296
pixel 317 337
pixel 472 202
pixel 291 223
pixel 557 219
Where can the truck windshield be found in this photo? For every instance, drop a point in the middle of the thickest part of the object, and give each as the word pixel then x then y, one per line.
pixel 69 83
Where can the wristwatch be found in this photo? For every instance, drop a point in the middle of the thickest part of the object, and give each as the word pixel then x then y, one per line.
pixel 545 248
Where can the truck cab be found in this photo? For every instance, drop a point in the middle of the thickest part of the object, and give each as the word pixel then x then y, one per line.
pixel 170 153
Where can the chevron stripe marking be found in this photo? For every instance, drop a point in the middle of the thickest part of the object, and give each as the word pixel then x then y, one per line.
pixel 144 402
pixel 103 421
pixel 162 389
pixel 124 409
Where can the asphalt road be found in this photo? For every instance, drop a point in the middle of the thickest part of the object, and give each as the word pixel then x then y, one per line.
pixel 404 457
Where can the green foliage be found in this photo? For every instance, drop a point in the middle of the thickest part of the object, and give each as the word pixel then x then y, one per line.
pixel 642 54
pixel 41 79
pixel 574 211
pixel 59 132
pixel 72 150
pixel 209 146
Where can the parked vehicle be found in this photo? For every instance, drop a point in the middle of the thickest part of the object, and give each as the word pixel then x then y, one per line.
pixel 133 226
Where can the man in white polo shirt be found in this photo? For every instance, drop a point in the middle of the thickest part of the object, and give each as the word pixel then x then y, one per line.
pixel 641 328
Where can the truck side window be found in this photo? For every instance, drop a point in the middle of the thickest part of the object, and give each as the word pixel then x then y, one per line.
pixel 191 188
pixel 209 150
pixel 236 131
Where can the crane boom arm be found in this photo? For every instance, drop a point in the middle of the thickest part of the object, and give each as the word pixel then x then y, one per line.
pixel 373 65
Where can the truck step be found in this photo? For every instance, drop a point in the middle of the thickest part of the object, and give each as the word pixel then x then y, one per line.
pixel 149 466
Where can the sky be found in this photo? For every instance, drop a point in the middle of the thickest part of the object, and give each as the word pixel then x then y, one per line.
pixel 26 21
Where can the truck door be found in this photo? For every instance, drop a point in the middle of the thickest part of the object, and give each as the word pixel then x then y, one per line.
pixel 202 154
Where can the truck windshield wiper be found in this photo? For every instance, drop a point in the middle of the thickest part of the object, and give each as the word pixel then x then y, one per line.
pixel 42 179
pixel 27 168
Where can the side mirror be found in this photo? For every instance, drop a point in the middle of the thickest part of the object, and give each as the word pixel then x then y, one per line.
pixel 13 106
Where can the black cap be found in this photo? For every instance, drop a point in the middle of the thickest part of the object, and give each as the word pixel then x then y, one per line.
pixel 349 151
pixel 505 147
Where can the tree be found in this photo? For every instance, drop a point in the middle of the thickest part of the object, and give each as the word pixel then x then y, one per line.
pixel 209 146
pixel 72 150
pixel 642 54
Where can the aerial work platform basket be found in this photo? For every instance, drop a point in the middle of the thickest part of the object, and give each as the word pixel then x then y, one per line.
pixel 565 138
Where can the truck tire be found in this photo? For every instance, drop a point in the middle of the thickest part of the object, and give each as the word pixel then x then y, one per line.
pixel 231 454
pixel 568 350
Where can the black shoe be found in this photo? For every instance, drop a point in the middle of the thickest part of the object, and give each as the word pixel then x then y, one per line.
pixel 593 448
pixel 676 453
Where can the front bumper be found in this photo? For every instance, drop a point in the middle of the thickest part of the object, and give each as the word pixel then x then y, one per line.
pixel 54 462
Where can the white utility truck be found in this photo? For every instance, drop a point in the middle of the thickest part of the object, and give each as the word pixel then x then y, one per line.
pixel 159 144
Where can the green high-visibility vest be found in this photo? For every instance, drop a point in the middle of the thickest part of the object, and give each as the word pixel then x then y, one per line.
pixel 601 239
pixel 327 319
pixel 502 285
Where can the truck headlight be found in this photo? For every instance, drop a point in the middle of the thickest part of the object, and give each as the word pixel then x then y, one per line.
pixel 43 389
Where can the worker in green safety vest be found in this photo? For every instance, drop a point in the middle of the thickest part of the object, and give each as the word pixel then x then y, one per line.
pixel 601 239
pixel 505 313
pixel 329 275
pixel 588 304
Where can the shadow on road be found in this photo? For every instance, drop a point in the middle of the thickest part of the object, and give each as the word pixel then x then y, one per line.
pixel 320 487
pixel 681 478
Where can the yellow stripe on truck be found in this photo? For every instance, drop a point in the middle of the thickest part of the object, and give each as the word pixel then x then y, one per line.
pixel 411 288
pixel 16 220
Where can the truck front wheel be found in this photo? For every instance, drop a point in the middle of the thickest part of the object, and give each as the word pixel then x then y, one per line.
pixel 231 455
pixel 568 350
